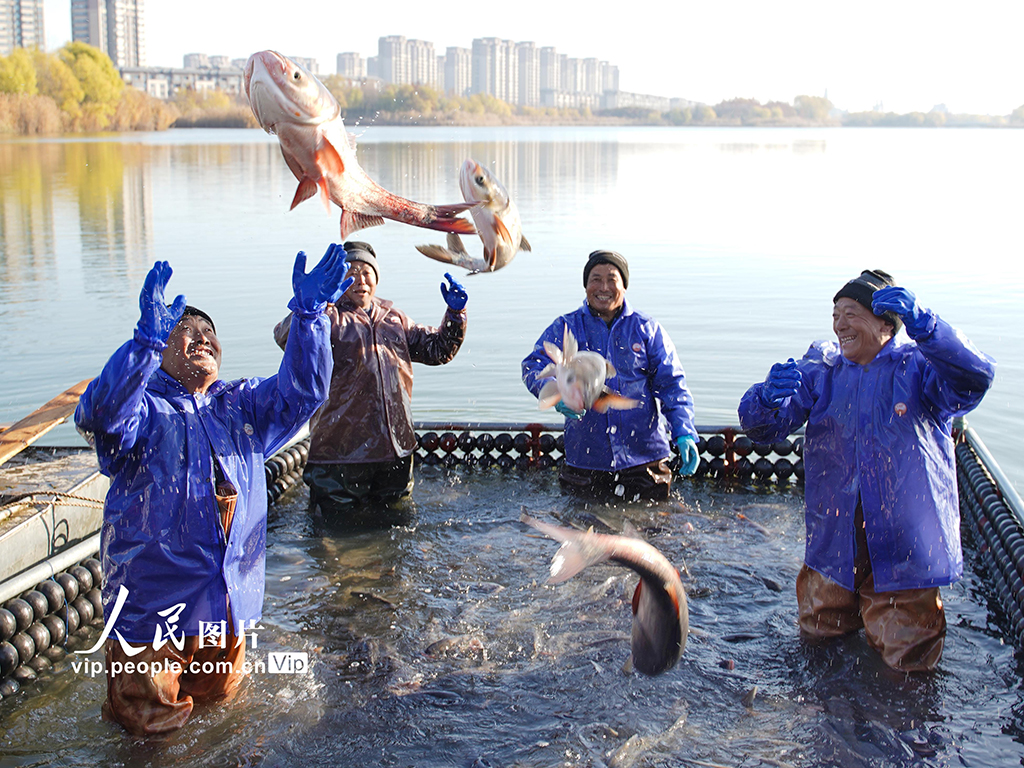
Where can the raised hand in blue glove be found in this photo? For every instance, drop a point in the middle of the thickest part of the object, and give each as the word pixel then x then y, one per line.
pixel 568 412
pixel 689 454
pixel 917 320
pixel 324 284
pixel 782 383
pixel 156 319
pixel 455 295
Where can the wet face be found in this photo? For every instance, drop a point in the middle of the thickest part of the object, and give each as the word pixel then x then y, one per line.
pixel 362 291
pixel 192 355
pixel 861 333
pixel 605 291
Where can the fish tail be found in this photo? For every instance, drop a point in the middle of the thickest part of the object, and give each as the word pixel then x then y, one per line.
pixel 549 395
pixel 446 218
pixel 573 556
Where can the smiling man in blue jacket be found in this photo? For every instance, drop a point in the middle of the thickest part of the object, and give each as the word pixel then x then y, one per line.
pixel 621 453
pixel 882 516
pixel 185 520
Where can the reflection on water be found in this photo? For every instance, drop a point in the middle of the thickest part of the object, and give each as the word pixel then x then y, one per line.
pixel 438 644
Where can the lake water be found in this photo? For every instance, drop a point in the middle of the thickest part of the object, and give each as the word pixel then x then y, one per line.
pixel 737 240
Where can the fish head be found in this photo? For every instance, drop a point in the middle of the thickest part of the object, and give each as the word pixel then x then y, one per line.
pixel 479 185
pixel 281 91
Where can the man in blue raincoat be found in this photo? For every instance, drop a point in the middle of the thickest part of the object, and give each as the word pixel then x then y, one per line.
pixel 882 516
pixel 184 524
pixel 620 453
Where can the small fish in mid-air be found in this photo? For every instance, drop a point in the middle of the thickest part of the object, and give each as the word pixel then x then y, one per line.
pixel 579 379
pixel 661 619
pixel 289 101
pixel 497 223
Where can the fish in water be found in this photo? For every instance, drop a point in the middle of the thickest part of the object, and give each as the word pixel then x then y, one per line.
pixel 579 379
pixel 293 104
pixel 497 223
pixel 661 620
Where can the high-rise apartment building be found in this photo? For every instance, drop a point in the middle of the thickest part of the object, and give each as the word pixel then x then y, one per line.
pixel 496 69
pixel 393 59
pixel 458 71
pixel 351 65
pixel 528 56
pixel 550 69
pixel 116 27
pixel 21 25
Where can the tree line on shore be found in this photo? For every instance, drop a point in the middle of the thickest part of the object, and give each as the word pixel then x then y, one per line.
pixel 78 89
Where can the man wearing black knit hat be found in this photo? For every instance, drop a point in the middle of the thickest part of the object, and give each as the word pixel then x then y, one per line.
pixel 882 515
pixel 362 439
pixel 620 453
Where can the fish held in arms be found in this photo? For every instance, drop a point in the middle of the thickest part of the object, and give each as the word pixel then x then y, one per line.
pixel 661 619
pixel 497 222
pixel 578 379
pixel 290 102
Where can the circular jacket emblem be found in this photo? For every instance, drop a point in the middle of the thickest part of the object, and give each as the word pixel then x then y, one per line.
pixel 900 409
pixel 247 428
pixel 637 347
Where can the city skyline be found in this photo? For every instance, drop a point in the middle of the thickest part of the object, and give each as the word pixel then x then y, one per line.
pixel 907 57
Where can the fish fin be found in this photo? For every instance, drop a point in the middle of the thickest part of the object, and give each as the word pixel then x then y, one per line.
pixel 502 230
pixel 610 400
pixel 491 258
pixel 571 557
pixel 455 244
pixel 327 158
pixel 553 352
pixel 350 222
pixel 569 346
pixel 437 253
pixel 325 193
pixel 524 244
pixel 549 395
pixel 445 218
pixel 628 529
pixel 305 190
pixel 609 370
pixel 547 371
pixel 636 596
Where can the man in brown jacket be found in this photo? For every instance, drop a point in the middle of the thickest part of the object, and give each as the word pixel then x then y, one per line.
pixel 363 437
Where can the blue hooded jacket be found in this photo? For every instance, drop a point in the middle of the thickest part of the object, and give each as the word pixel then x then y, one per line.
pixel 647 370
pixel 881 432
pixel 162 536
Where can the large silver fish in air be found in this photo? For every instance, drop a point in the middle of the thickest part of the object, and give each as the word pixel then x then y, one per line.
pixel 289 101
pixel 497 223
pixel 578 379
pixel 661 619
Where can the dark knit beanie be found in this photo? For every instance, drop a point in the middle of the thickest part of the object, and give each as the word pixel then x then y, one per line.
pixel 617 260
pixel 862 289
pixel 196 312
pixel 357 250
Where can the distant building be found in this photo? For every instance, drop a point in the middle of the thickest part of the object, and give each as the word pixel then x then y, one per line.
pixel 165 82
pixel 351 65
pixel 496 69
pixel 310 65
pixel 624 100
pixel 528 57
pixel 196 61
pixel 550 70
pixel 458 71
pixel 21 25
pixel 393 59
pixel 116 27
pixel 422 63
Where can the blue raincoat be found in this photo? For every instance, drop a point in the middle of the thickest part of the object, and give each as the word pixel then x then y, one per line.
pixel 647 370
pixel 162 536
pixel 881 432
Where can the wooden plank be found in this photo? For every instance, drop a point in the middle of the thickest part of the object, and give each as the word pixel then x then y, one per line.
pixel 22 434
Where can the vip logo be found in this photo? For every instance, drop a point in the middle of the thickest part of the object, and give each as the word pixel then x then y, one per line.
pixel 287 663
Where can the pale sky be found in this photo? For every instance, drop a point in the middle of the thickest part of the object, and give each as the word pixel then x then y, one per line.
pixel 908 55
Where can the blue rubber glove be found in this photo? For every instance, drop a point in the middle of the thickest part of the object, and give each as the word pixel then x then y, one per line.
pixel 455 295
pixel 324 284
pixel 782 383
pixel 568 412
pixel 689 454
pixel 156 319
pixel 917 320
